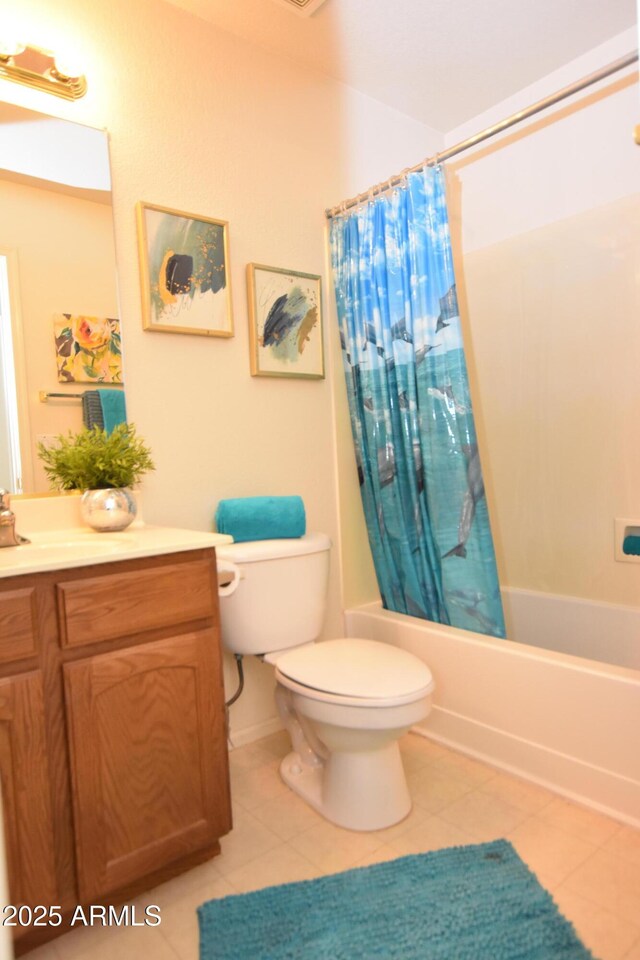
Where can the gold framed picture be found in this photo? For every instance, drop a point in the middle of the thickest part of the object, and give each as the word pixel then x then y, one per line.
pixel 285 323
pixel 184 267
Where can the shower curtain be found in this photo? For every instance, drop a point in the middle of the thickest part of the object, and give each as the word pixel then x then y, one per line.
pixel 411 417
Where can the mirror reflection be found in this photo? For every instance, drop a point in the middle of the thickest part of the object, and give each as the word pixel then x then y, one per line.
pixel 59 315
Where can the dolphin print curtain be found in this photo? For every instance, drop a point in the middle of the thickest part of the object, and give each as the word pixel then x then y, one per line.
pixel 411 416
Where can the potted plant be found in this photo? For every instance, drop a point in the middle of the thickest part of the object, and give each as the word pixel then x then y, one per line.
pixel 102 464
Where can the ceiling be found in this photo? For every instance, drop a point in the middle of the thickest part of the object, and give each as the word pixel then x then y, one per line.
pixel 439 61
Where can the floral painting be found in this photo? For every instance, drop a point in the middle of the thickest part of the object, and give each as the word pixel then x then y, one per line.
pixel 285 323
pixel 185 272
pixel 88 349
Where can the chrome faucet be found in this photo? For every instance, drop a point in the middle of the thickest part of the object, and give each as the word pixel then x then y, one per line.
pixel 8 535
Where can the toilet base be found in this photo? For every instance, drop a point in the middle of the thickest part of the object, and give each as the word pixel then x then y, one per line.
pixel 358 791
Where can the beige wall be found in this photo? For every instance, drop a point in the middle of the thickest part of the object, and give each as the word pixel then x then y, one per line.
pixel 65 264
pixel 200 121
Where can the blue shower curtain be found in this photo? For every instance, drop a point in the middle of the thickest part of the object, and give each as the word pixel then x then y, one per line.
pixel 415 441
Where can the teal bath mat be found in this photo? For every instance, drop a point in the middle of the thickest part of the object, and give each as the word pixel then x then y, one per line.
pixel 466 903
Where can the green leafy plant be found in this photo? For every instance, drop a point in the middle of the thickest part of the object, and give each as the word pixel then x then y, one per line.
pixel 96 460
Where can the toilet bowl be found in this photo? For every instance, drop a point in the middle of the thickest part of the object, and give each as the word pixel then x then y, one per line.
pixel 352 699
pixel 345 702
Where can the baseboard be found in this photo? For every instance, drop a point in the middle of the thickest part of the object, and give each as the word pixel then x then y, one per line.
pixel 238 738
pixel 602 790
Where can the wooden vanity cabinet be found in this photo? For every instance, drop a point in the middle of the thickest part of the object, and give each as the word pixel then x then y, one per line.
pixel 112 731
pixel 24 772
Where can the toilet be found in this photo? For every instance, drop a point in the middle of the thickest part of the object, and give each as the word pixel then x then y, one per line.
pixel 345 703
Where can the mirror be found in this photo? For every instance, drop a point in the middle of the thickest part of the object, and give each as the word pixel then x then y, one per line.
pixel 57 257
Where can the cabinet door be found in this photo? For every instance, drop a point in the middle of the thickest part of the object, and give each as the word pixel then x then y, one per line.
pixel 25 791
pixel 148 757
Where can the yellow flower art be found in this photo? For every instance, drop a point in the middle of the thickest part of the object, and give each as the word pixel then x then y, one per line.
pixel 88 349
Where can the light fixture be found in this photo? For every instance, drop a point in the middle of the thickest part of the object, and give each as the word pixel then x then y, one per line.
pixel 304 7
pixel 39 69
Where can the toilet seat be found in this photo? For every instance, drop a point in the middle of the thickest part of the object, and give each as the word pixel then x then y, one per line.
pixel 354 672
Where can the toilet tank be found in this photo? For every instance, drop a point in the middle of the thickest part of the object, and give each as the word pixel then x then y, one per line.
pixel 281 598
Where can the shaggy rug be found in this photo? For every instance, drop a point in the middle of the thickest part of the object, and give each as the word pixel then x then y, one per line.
pixel 465 903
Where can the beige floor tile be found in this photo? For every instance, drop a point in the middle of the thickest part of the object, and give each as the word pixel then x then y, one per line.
pixel 180 919
pixel 125 944
pixel 416 816
pixel 418 748
pixel 47 952
pixel 611 882
pixel 578 821
pixel 332 849
pixel 257 785
pixel 434 789
pixel 606 935
pixel 174 906
pixel 249 757
pixel 248 839
pixel 164 895
pixel 287 815
pixel 433 834
pixel 82 941
pixel 414 762
pixel 464 768
pixel 634 952
pixel 284 864
pixel 518 793
pixel 552 854
pixel 625 843
pixel 483 816
pixel 278 744
pixel 590 863
pixel 381 855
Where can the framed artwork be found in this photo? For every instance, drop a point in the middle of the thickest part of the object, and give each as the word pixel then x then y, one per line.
pixel 184 266
pixel 88 349
pixel 285 323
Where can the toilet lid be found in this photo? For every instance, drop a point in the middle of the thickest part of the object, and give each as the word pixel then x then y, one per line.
pixel 362 669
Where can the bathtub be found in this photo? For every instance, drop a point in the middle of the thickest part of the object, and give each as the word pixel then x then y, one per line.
pixel 569 723
pixel 589 629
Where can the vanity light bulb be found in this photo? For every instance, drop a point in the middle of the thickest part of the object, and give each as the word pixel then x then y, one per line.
pixel 10 47
pixel 68 67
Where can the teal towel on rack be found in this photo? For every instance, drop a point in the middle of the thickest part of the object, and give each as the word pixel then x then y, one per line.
pixel 92 410
pixel 114 410
pixel 261 518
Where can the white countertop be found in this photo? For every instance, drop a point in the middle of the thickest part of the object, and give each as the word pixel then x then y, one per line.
pixel 81 547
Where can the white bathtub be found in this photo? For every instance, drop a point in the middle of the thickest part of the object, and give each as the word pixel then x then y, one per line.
pixel 566 722
pixel 606 632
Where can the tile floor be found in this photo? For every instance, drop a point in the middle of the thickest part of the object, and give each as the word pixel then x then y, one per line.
pixel 590 864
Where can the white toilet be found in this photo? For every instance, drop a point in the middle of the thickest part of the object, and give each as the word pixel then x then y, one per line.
pixel 345 703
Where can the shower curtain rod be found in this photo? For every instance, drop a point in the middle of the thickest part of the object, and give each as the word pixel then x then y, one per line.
pixel 488 132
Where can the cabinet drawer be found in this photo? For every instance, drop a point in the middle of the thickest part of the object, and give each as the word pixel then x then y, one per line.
pixel 120 604
pixel 18 624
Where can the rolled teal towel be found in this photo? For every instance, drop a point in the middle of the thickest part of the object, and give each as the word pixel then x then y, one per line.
pixel 261 518
pixel 114 410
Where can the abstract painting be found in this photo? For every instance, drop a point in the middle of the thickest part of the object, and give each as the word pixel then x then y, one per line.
pixel 88 349
pixel 184 262
pixel 285 323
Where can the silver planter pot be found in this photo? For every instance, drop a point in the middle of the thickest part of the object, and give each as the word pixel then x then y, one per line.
pixel 108 510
